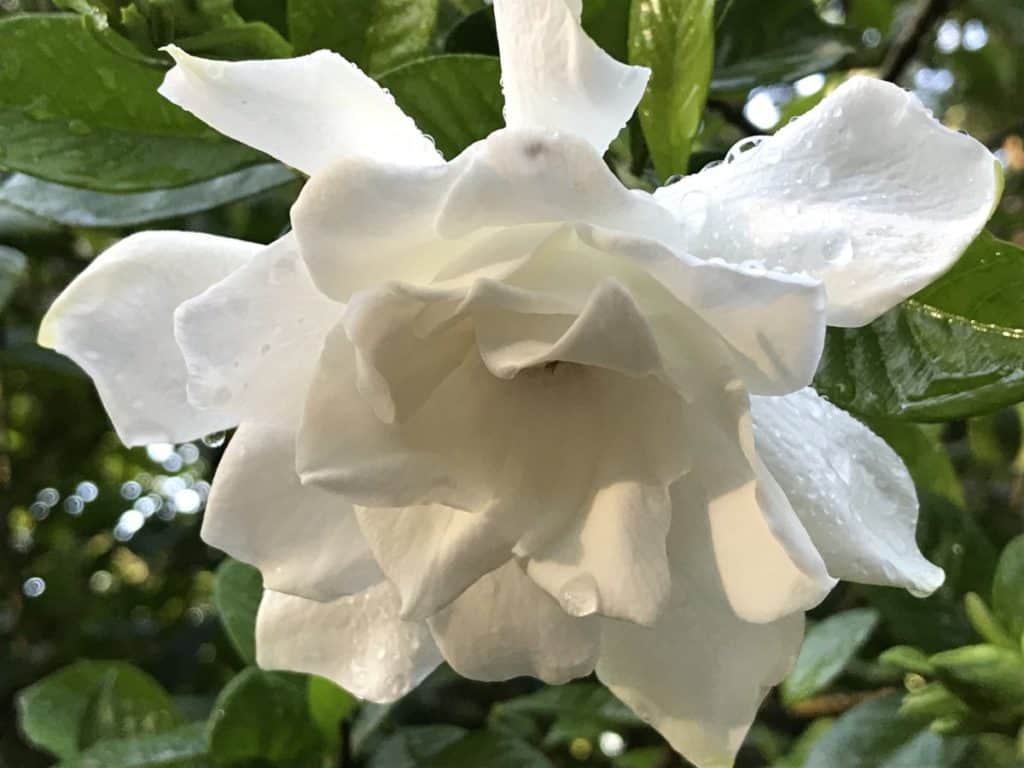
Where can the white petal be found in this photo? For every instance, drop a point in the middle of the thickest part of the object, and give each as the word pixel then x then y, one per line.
pixel 556 77
pixel 505 201
pixel 305 111
pixel 362 222
pixel 866 191
pixel 304 540
pixel 504 626
pixel 768 564
pixel 359 642
pixel 849 488
pixel 699 674
pixel 251 341
pixel 116 321
pixel 432 554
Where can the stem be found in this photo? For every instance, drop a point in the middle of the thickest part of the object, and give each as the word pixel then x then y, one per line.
pixel 905 47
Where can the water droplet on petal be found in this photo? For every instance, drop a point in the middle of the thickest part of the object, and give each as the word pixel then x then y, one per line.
pixel 214 439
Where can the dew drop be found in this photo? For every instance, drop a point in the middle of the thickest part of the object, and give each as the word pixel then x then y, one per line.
pixel 579 596
pixel 214 439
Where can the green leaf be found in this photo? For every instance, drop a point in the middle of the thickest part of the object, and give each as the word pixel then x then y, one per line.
pixel 245 40
pixel 873 735
pixel 415 747
pixel 329 705
pixel 675 38
pixel 1008 587
pixel 753 47
pixel 985 624
pixel 74 207
pixel 128 703
pixel 907 659
pixel 986 676
pixel 607 23
pixel 484 749
pixel 183 747
pixel 13 267
pixel 58 711
pixel 237 591
pixel 578 709
pixel 456 98
pixel 375 34
pixel 956 349
pixel 262 716
pixel 828 647
pixel 76 111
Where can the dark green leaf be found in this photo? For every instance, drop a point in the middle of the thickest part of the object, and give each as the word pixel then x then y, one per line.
pixel 56 712
pixel 753 47
pixel 675 38
pixel 76 111
pixel 456 99
pixel 329 705
pixel 262 716
pixel 246 40
pixel 74 207
pixel 484 749
pixel 183 747
pixel 415 747
pixel 375 34
pixel 956 349
pixel 607 22
pixel 1008 587
pixel 828 646
pixel 12 270
pixel 476 33
pixel 237 591
pixel 873 735
pixel 128 703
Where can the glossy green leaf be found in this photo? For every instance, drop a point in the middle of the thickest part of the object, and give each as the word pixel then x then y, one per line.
pixel 456 98
pixel 183 747
pixel 485 749
pixel 13 266
pixel 675 38
pixel 246 40
pixel 329 705
pixel 1008 587
pixel 262 716
pixel 69 709
pixel 237 591
pixel 828 647
pixel 873 735
pixel 75 207
pixel 753 47
pixel 956 349
pixel 375 34
pixel 74 110
pixel 415 747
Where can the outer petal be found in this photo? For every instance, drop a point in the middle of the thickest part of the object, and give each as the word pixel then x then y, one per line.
pixel 866 192
pixel 251 341
pixel 556 77
pixel 305 112
pixel 116 321
pixel 304 541
pixel 359 642
pixel 767 563
pixel 432 554
pixel 504 626
pixel 849 488
pixel 699 674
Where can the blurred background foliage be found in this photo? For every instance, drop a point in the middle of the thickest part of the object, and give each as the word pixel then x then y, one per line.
pixel 125 642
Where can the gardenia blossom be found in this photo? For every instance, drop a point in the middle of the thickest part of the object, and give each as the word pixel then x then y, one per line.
pixel 504 412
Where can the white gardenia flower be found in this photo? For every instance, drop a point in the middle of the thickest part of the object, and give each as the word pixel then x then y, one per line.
pixel 504 412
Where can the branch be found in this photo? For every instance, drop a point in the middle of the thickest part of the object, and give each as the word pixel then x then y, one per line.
pixel 905 47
